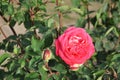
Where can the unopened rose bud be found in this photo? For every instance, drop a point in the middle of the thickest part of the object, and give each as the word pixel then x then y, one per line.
pixel 46 55
pixel 75 67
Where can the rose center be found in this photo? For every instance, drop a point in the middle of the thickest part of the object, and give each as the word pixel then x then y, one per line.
pixel 76 40
pixel 75 45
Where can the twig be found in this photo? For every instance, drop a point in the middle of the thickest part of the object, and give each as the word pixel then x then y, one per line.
pixel 32 14
pixel 60 18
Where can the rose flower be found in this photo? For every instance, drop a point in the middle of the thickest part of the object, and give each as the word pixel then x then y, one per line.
pixel 74 47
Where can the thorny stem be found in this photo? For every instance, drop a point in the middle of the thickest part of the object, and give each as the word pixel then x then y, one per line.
pixel 60 19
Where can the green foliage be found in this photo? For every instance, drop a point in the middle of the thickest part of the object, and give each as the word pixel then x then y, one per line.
pixel 23 57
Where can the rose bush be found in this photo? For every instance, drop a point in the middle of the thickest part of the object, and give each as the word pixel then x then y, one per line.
pixel 74 46
pixel 31 55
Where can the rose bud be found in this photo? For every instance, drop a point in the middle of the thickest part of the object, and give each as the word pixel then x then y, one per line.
pixel 46 55
pixel 74 47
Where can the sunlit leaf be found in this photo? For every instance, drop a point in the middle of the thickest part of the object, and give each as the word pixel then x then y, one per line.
pixel 3 57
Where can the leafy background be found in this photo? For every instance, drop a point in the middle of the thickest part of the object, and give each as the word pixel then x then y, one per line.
pixel 23 53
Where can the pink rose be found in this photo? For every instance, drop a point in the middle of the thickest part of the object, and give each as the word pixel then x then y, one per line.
pixel 74 47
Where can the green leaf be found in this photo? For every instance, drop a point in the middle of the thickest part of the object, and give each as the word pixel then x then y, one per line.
pixel 105 7
pixel 63 8
pixel 108 45
pixel 118 71
pixel 33 2
pixel 112 29
pixel 51 78
pixel 115 57
pixel 13 66
pixel 16 50
pixel 98 45
pixel 77 10
pixel 35 44
pixel 19 17
pixel 3 57
pixel 9 77
pixel 52 1
pixel 48 40
pixel 98 73
pixel 56 77
pixel 34 60
pixel 116 32
pixel 60 68
pixel 20 71
pixel 42 28
pixel 30 51
pixel 10 9
pixel 108 31
pixel 31 76
pixel 43 7
pixel 27 22
pixel 76 3
pixel 22 62
pixel 100 78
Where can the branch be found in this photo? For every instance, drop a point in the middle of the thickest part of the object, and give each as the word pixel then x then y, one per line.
pixel 3 17
pixel 7 22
